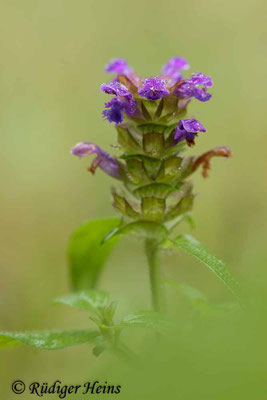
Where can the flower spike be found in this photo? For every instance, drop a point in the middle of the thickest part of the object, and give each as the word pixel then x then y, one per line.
pixel 153 132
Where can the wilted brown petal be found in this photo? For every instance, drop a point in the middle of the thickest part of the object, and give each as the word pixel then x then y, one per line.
pixel 204 159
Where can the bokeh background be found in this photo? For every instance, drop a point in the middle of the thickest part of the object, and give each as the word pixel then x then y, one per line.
pixel 52 57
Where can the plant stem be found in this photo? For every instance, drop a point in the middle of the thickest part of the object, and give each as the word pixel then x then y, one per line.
pixel 156 284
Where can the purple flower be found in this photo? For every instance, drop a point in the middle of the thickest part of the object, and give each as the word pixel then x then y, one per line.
pixel 122 102
pixel 190 87
pixel 200 79
pixel 116 107
pixel 187 129
pixel 116 88
pixel 118 66
pixel 103 160
pixel 174 66
pixel 153 89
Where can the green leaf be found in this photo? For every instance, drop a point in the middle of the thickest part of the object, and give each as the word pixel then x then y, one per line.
pixel 145 319
pixel 87 254
pixel 191 246
pixel 90 300
pixel 47 340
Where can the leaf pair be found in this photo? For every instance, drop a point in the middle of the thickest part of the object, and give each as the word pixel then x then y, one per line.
pixel 97 302
pixel 92 244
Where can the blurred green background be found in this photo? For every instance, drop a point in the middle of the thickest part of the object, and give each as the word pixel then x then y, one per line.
pixel 52 57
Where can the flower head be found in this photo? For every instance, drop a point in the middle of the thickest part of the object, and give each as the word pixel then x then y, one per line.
pixel 102 160
pixel 187 129
pixel 153 89
pixel 174 66
pixel 151 138
pixel 118 66
pixel 190 87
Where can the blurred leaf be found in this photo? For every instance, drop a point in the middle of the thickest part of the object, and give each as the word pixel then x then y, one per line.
pixel 145 319
pixel 47 340
pixel 190 292
pixel 98 350
pixel 87 253
pixel 110 311
pixel 197 250
pixel 90 300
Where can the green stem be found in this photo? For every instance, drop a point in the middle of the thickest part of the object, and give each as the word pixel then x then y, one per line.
pixel 156 283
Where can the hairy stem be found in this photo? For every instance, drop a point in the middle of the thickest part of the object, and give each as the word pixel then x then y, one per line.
pixel 156 283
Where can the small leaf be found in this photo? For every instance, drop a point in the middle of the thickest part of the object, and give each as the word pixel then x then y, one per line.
pixel 126 140
pixel 172 166
pixel 90 300
pixel 47 340
pixel 215 264
pixel 144 229
pixel 160 190
pixel 87 255
pixel 151 127
pixel 136 171
pixel 145 111
pixel 151 165
pixel 153 208
pixel 145 319
pixel 183 206
pixel 124 206
pixel 159 109
pixel 153 143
